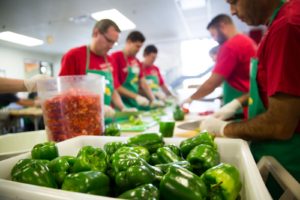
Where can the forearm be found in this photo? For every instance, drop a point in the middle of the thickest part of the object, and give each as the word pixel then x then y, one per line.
pixel 117 101
pixel 208 86
pixel 278 122
pixel 11 85
pixel 26 102
pixel 166 90
pixel 124 92
pixel 203 91
pixel 147 89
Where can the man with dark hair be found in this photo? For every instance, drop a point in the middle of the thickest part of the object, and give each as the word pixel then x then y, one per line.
pixel 94 59
pixel 232 64
pixel 274 103
pixel 152 73
pixel 130 73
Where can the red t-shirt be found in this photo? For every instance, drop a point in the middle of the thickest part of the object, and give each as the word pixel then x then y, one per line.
pixel 121 65
pixel 154 71
pixel 279 54
pixel 74 63
pixel 233 61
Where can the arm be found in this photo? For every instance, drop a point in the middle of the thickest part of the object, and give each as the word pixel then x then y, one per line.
pixel 278 122
pixel 26 102
pixel 123 91
pixel 208 86
pixel 117 101
pixel 147 89
pixel 11 85
pixel 166 90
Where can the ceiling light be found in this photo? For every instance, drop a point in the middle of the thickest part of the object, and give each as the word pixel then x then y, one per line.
pixel 191 4
pixel 20 39
pixel 123 22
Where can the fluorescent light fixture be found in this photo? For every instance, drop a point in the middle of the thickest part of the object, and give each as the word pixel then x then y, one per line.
pixel 123 22
pixel 191 4
pixel 20 39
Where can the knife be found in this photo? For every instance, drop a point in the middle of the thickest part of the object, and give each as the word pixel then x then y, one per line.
pixel 190 125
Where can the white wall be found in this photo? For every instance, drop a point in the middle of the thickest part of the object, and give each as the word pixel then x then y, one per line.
pixel 12 61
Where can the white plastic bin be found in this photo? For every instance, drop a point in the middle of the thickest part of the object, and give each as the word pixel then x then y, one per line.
pixel 233 151
pixel 17 143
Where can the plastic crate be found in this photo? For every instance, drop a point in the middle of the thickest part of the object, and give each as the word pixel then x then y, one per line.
pixel 233 151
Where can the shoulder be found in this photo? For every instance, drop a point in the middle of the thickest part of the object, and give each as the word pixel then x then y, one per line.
pixel 288 18
pixel 240 39
pixel 75 52
pixel 117 54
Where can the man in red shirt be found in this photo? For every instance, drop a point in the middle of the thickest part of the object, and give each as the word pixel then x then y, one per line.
pixel 93 59
pixel 153 75
pixel 233 61
pixel 130 73
pixel 274 104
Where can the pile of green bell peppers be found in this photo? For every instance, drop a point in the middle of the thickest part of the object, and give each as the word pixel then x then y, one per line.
pixel 142 168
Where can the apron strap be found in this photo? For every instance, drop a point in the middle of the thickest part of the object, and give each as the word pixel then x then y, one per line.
pixel 87 62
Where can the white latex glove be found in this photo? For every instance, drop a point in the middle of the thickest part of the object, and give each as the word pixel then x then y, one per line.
pixel 214 126
pixel 187 101
pixel 31 84
pixel 157 103
pixel 160 95
pixel 109 111
pixel 142 101
pixel 228 110
pixel 129 109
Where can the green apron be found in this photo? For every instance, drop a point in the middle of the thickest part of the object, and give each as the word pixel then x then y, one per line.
pixel 107 73
pixel 286 152
pixel 153 82
pixel 230 93
pixel 131 83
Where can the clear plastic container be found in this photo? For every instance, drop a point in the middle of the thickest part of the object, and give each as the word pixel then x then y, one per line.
pixel 72 106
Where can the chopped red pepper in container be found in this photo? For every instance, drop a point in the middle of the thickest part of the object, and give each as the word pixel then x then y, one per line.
pixel 73 112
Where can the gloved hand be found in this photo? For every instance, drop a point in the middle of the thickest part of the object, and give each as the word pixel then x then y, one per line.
pixel 109 111
pixel 31 84
pixel 214 126
pixel 129 109
pixel 187 101
pixel 157 103
pixel 228 110
pixel 142 101
pixel 160 95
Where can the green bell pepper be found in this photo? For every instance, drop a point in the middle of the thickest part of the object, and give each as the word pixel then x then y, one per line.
pixel 154 160
pixel 203 157
pixel 166 155
pixel 141 151
pixel 44 151
pixel 91 182
pixel 111 147
pixel 34 172
pixel 60 167
pixel 90 159
pixel 179 183
pixel 203 138
pixel 112 129
pixel 175 149
pixel 143 192
pixel 223 182
pixel 131 171
pixel 165 167
pixel 178 114
pixel 152 141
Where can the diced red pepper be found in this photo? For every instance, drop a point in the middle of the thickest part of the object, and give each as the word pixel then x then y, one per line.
pixel 75 112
